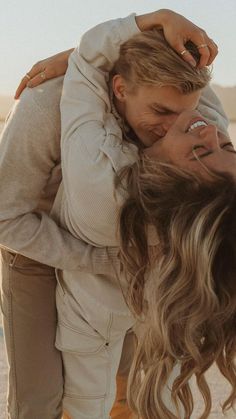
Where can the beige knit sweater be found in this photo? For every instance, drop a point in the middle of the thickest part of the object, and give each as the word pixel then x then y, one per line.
pixel 30 173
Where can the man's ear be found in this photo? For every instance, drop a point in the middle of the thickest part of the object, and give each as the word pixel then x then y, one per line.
pixel 119 87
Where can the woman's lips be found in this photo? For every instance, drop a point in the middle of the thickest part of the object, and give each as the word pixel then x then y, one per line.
pixel 195 123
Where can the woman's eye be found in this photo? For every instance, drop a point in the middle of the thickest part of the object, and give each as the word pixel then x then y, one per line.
pixel 159 112
pixel 198 148
pixel 229 144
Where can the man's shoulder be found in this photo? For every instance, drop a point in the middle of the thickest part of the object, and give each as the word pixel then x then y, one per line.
pixel 48 94
pixel 44 98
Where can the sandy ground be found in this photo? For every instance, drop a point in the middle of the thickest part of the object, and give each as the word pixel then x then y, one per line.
pixel 219 386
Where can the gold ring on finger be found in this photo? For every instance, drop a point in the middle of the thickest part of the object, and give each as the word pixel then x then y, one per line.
pixel 202 46
pixel 184 51
pixel 43 75
pixel 28 76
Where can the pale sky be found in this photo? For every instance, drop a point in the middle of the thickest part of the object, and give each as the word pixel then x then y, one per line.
pixel 32 30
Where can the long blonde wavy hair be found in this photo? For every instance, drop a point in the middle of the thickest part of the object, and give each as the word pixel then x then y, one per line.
pixel 183 290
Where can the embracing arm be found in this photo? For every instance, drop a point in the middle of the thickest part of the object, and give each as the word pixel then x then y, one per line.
pixel 92 147
pixel 177 30
pixel 29 151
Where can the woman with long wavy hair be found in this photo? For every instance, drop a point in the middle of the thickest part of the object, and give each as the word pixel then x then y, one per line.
pixel 182 290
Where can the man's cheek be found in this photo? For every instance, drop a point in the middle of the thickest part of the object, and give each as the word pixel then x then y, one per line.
pixel 150 151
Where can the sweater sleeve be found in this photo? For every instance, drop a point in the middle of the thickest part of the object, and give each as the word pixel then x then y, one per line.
pixel 211 108
pixel 92 147
pixel 29 149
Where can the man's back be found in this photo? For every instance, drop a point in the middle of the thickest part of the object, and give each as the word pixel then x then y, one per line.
pixel 32 132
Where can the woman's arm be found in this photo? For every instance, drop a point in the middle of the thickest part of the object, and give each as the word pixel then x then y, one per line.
pixel 91 143
pixel 177 29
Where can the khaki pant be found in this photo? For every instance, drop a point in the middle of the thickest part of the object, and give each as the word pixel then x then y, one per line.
pixel 29 319
pixel 91 339
pixel 35 366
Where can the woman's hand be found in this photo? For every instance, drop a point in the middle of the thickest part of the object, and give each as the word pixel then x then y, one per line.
pixel 178 30
pixel 49 68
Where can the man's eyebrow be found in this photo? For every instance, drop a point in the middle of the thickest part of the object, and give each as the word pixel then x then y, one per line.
pixel 162 108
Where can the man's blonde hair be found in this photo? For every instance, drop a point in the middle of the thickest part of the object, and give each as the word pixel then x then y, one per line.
pixel 147 59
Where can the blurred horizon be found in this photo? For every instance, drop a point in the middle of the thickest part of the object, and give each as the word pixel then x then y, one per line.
pixel 227 96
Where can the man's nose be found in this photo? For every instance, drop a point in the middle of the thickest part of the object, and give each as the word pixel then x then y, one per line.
pixel 209 135
pixel 169 121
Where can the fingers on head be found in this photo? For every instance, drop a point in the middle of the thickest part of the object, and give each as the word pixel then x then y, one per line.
pixel 213 50
pixel 206 46
pixel 185 54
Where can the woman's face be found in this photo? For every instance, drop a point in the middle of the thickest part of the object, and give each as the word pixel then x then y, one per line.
pixel 193 143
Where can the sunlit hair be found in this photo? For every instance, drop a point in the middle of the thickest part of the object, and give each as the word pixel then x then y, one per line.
pixel 183 289
pixel 147 59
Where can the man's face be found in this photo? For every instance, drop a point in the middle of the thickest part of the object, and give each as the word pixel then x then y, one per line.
pixel 194 144
pixel 151 111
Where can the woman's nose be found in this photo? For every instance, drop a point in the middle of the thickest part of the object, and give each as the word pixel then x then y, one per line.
pixel 209 135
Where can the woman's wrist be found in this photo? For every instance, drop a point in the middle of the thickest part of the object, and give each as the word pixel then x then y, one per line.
pixel 153 20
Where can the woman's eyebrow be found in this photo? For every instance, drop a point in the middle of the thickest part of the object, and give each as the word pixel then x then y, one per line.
pixel 207 153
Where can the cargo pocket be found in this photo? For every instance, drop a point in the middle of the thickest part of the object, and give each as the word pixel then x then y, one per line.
pixel 82 340
pixel 86 361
